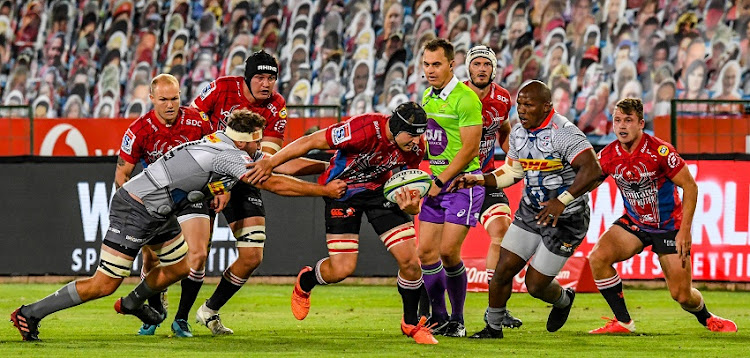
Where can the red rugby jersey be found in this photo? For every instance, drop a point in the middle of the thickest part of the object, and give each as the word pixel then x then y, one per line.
pixel 644 179
pixel 147 139
pixel 222 96
pixel 364 156
pixel 495 107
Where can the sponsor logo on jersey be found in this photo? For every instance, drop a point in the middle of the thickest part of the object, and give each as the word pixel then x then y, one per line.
pixel 543 165
pixel 213 138
pixel 341 134
pixel 673 160
pixel 127 142
pixel 204 116
pixel 280 125
pixel 216 188
pixel 282 113
pixel 207 90
pixel 663 150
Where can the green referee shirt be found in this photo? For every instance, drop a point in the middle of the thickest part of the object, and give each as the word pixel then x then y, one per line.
pixel 454 107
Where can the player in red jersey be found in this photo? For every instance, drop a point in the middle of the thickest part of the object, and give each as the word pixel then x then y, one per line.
pixel 648 171
pixel 495 216
pixel 145 141
pixel 367 147
pixel 245 212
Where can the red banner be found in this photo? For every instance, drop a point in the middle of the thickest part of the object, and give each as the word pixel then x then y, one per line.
pixel 721 246
pixel 79 137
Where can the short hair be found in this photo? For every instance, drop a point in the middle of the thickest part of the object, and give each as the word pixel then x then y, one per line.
pixel 164 78
pixel 437 43
pixel 245 121
pixel 631 106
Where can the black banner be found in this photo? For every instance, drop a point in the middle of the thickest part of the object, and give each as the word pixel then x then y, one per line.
pixel 57 211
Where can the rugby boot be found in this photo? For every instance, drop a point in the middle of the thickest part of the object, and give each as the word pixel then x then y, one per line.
pixel 718 324
pixel 508 320
pixel 211 320
pixel 420 333
pixel 439 328
pixel 181 329
pixel 488 332
pixel 27 326
pixel 300 298
pixel 558 316
pixel 145 313
pixel 147 329
pixel 455 329
pixel 614 326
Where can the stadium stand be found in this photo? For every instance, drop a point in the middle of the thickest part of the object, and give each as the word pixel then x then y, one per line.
pixel 95 58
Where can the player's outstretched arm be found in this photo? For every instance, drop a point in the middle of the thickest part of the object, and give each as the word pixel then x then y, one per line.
pixel 302 166
pixel 290 186
pixel 123 171
pixel 588 172
pixel 262 169
pixel 684 239
pixel 470 137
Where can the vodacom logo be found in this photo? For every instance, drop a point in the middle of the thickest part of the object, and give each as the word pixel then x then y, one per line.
pixel 73 139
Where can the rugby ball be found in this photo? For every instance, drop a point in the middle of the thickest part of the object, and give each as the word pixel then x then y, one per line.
pixel 412 179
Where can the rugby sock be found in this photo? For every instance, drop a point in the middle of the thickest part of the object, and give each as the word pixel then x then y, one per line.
pixel 700 312
pixel 191 285
pixel 495 317
pixel 611 289
pixel 563 301
pixel 490 274
pixel 228 286
pixel 312 278
pixel 155 300
pixel 410 291
pixel 140 294
pixel 434 282
pixel 456 282
pixel 424 303
pixel 65 297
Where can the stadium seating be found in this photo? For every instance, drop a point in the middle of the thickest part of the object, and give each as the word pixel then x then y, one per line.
pixel 92 58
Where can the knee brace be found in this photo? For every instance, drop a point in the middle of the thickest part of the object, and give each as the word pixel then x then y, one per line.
pixel 114 266
pixel 342 246
pixel 251 236
pixel 398 235
pixel 172 253
pixel 494 212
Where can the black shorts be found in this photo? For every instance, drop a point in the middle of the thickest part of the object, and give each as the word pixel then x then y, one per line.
pixel 132 227
pixel 195 209
pixel 245 202
pixel 561 240
pixel 493 196
pixel 660 242
pixel 345 217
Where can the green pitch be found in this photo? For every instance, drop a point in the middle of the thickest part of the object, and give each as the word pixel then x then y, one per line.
pixel 364 321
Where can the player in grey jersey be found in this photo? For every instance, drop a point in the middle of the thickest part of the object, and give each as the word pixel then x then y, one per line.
pixel 143 213
pixel 558 166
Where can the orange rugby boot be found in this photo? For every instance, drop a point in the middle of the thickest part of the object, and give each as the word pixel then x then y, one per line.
pixel 300 298
pixel 614 326
pixel 718 324
pixel 420 333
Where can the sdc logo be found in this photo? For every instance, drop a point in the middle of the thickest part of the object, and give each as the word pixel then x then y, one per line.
pixel 74 143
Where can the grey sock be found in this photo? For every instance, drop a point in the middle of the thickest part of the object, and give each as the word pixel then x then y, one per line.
pixel 138 296
pixel 65 297
pixel 563 301
pixel 495 317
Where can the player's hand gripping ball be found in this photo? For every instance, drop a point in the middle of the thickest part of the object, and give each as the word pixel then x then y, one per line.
pixel 412 179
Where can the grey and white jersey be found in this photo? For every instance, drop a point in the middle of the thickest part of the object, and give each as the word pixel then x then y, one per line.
pixel 189 173
pixel 545 154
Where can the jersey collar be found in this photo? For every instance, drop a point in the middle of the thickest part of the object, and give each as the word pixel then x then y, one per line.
pixel 546 121
pixel 448 88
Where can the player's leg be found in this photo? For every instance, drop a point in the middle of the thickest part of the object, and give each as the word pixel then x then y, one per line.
pixel 113 267
pixel 196 226
pixel 615 245
pixel 158 302
pixel 496 220
pixel 428 249
pixel 678 275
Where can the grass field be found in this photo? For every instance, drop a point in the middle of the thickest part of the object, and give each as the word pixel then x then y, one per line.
pixel 364 321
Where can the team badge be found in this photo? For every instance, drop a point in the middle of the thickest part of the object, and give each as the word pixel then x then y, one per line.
pixel 216 188
pixel 341 134
pixel 204 116
pixel 127 142
pixel 280 124
pixel 663 150
pixel 213 138
pixel 672 160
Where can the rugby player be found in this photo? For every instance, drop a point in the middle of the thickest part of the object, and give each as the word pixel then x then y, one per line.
pixel 368 147
pixel 143 210
pixel 553 215
pixel 145 141
pixel 481 63
pixel 454 131
pixel 648 170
